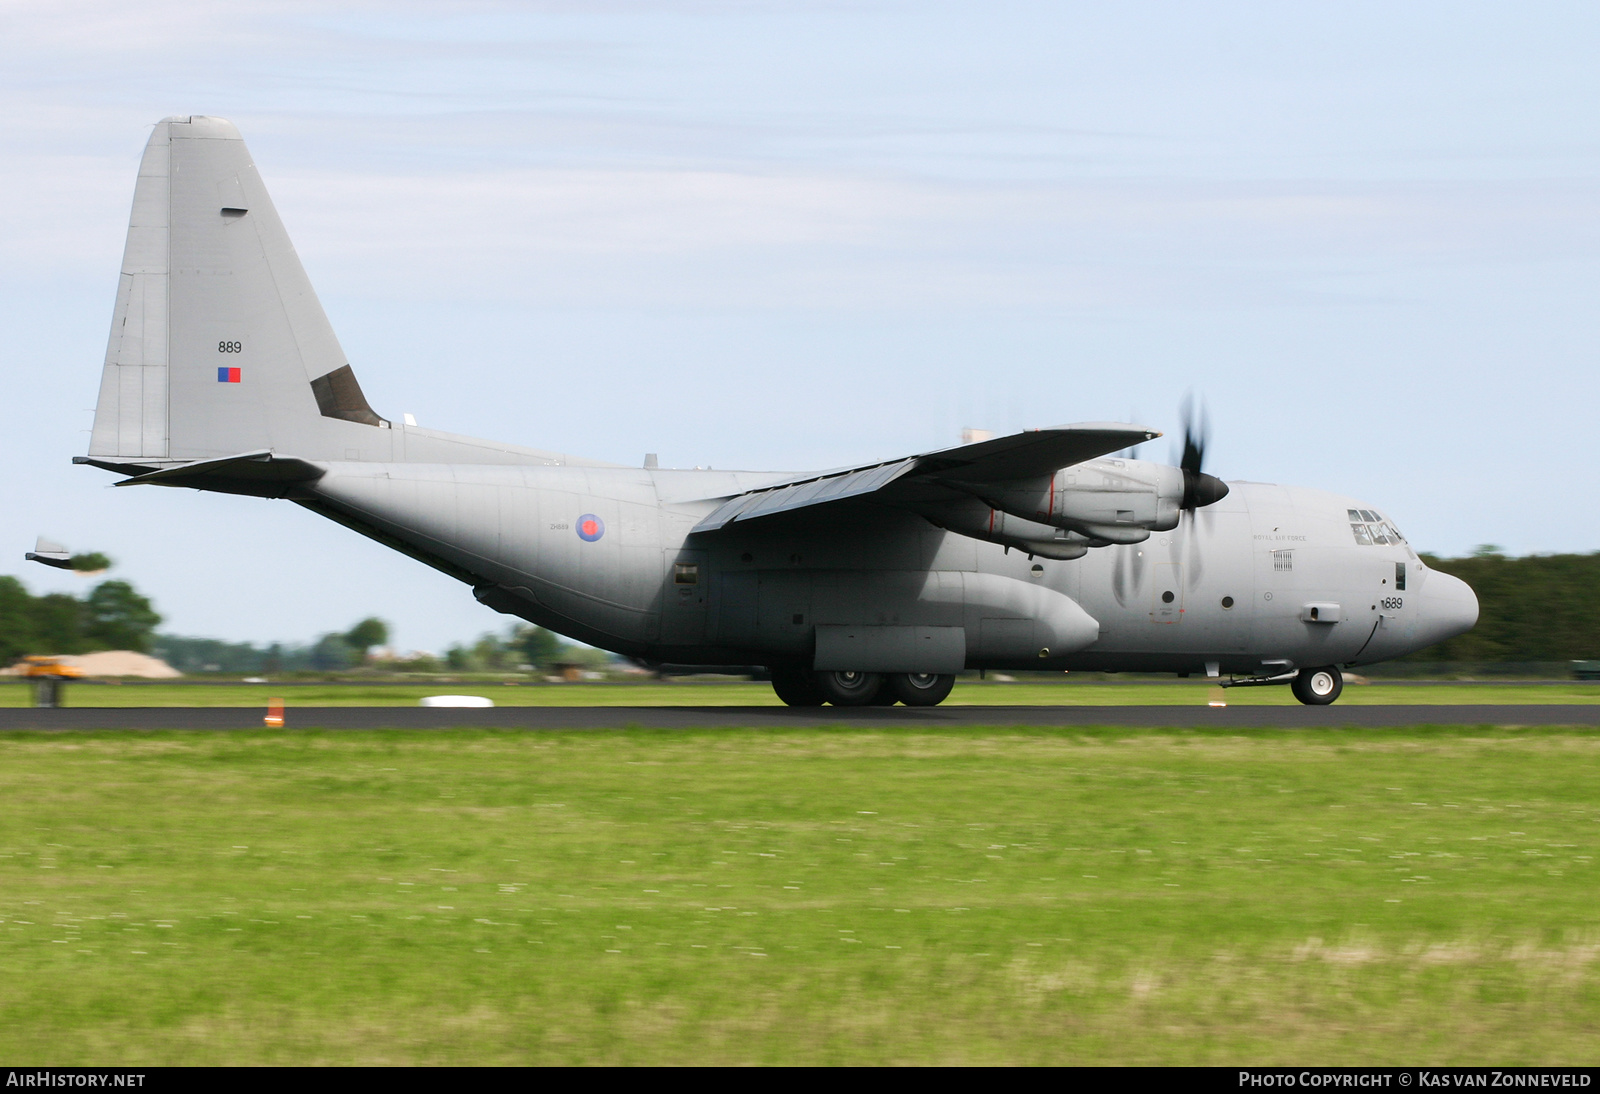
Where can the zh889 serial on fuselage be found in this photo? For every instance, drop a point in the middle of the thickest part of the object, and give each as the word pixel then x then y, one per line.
pixel 1040 550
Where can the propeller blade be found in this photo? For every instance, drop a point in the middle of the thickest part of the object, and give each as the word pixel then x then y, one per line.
pixel 1196 430
pixel 1199 488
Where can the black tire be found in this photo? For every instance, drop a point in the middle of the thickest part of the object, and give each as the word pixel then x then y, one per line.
pixel 849 689
pixel 1318 687
pixel 920 689
pixel 796 686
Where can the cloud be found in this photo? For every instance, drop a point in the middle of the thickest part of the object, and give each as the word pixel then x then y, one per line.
pixel 763 237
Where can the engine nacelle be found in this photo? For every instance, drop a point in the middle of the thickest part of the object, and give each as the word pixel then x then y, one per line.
pixel 1109 499
pixel 971 517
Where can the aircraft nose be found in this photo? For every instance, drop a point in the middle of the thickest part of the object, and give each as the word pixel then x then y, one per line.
pixel 1450 607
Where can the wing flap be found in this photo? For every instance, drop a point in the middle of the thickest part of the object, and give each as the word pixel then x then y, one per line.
pixel 1000 459
pixel 808 492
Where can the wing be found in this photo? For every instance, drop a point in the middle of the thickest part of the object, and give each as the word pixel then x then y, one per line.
pixel 1018 456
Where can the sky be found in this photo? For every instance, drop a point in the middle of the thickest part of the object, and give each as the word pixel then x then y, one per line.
pixel 801 235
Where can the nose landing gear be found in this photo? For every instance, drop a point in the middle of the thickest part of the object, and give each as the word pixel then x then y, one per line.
pixel 1317 687
pixel 1314 687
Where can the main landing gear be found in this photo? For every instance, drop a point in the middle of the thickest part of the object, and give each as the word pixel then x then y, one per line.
pixel 800 687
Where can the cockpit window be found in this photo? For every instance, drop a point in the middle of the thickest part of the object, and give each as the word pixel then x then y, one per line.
pixel 1370 529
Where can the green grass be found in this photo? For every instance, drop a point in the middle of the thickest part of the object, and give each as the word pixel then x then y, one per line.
pixel 822 896
pixel 1082 692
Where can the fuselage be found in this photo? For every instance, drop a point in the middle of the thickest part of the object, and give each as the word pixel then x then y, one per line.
pixel 1267 577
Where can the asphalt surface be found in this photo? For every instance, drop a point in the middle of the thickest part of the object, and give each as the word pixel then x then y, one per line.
pixel 765 717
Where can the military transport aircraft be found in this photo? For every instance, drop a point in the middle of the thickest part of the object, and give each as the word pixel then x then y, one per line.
pixel 874 584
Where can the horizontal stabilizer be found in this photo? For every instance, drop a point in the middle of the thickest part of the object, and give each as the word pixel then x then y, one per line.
pixel 49 553
pixel 259 473
pixel 1001 459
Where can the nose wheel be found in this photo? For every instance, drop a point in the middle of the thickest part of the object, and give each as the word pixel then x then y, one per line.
pixel 1317 687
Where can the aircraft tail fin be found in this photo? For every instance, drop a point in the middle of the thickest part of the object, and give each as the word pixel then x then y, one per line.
pixel 218 343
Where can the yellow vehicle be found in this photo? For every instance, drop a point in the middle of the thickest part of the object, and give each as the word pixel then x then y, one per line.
pixel 48 675
pixel 36 666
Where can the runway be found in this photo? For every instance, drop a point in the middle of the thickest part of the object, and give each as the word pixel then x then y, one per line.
pixel 768 717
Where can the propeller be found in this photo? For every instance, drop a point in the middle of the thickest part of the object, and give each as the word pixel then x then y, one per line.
pixel 1199 489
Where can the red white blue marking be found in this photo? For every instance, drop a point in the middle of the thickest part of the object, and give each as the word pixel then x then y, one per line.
pixel 590 527
pixel 228 375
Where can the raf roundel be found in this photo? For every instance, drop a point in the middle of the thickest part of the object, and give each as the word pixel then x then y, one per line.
pixel 590 527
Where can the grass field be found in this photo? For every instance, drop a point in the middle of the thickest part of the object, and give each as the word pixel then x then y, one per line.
pixel 1067 692
pixel 820 896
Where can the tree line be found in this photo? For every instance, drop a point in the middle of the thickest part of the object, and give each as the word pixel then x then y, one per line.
pixel 520 649
pixel 331 652
pixel 115 616
pixel 1536 608
pixel 111 616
